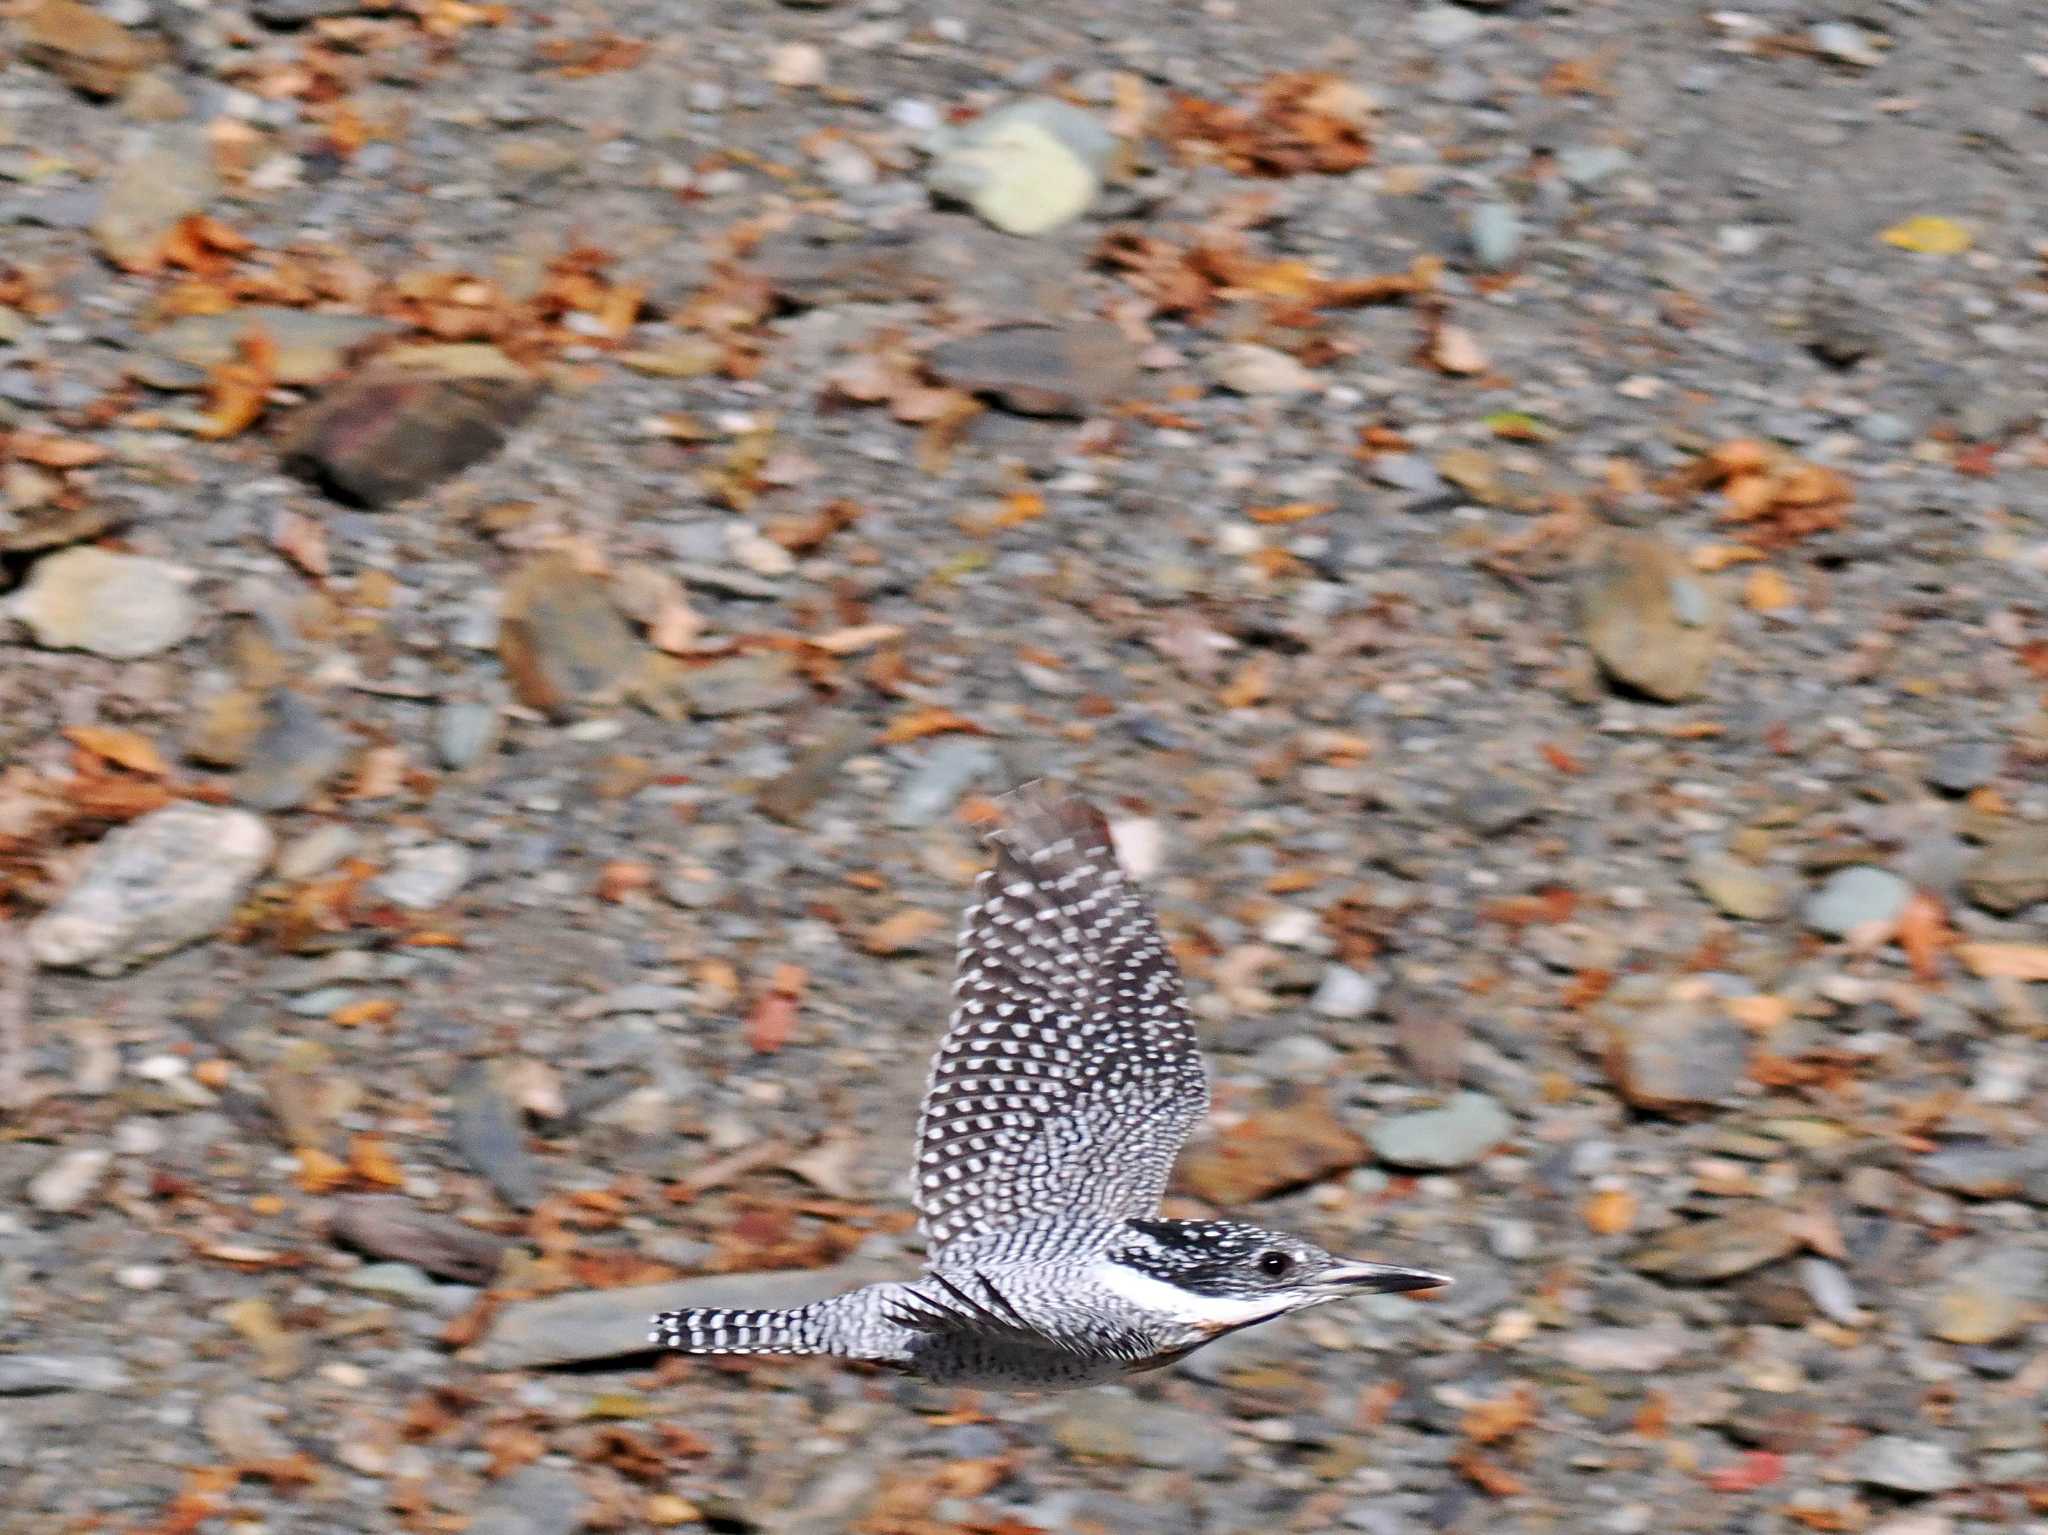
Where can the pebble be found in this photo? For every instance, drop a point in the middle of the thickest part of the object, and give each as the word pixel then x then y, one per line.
pixel 1292 1138
pixel 1849 44
pixel 1065 370
pixel 1458 1134
pixel 1511 1238
pixel 1444 27
pixel 64 1184
pixel 1110 1425
pixel 311 344
pixel 949 768
pixel 564 642
pixel 293 755
pixel 1587 165
pixel 421 878
pixel 1495 234
pixel 1627 1350
pixel 1737 887
pixel 1854 899
pixel 1296 1058
pixel 1408 472
pixel 2011 873
pixel 604 1324
pixel 1720 1247
pixel 168 879
pixel 534 1500
pixel 486 1133
pixel 465 729
pixel 1980 1171
pixel 392 431
pixel 1652 622
pixel 120 605
pixel 149 195
pixel 1026 168
pixel 1886 429
pixel 1246 367
pixel 1676 1057
pixel 88 51
pixel 44 1374
pixel 1830 1291
pixel 1988 1299
pixel 1899 1464
pixel 1961 766
pixel 1345 993
pixel 748 684
pixel 317 851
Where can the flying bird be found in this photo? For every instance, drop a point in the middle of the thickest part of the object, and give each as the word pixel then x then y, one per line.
pixel 1067 1082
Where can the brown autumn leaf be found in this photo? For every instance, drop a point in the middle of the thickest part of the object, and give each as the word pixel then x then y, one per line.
pixel 1609 1212
pixel 1453 350
pixel 622 878
pixel 54 452
pixel 124 748
pixel 371 1162
pixel 1488 1476
pixel 1499 1418
pixel 929 720
pixel 2008 961
pixel 352 1015
pixel 380 774
pixel 302 540
pixel 1251 683
pixel 1292 511
pixel 893 935
pixel 1297 124
pixel 239 389
pixel 1923 932
pixel 772 1022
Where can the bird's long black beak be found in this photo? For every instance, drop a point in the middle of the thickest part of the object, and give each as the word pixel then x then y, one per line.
pixel 1382 1278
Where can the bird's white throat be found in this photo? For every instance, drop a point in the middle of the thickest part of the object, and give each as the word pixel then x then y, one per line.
pixel 1163 1299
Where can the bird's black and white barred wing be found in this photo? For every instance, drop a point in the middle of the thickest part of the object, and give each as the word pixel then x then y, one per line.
pixel 1070 1073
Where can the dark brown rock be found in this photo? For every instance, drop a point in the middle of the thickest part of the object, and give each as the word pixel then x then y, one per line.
pixel 564 642
pixel 1042 370
pixel 2012 872
pixel 394 432
pixel 385 1226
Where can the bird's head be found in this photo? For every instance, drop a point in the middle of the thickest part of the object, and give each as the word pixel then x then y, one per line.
pixel 1218 1276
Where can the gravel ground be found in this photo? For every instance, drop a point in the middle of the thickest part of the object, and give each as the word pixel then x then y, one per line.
pixel 529 541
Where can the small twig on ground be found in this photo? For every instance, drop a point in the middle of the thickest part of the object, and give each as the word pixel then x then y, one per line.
pixel 15 968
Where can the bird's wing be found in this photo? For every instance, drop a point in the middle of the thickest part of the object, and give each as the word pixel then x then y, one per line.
pixel 974 1309
pixel 1070 1073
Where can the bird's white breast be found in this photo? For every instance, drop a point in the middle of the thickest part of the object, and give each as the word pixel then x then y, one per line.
pixel 1158 1298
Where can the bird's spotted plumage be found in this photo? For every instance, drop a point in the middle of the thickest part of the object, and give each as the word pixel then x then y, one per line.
pixel 1069 1077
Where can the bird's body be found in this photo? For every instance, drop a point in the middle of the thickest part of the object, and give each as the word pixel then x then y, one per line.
pixel 1059 1098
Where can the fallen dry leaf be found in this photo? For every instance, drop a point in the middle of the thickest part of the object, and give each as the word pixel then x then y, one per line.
pixel 1297 124
pixel 1923 932
pixel 1929 234
pixel 895 934
pixel 928 721
pixel 2010 961
pixel 1610 1212
pixel 124 748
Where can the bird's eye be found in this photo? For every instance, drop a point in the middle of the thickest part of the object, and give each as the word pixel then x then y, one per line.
pixel 1274 1264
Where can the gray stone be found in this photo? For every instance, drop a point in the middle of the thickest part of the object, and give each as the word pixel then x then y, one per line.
pixel 44 1374
pixel 1042 370
pixel 2011 873
pixel 294 755
pixel 486 1132
pixel 1736 887
pixel 1988 1297
pixel 1110 1425
pixel 1250 368
pixel 149 195
pixel 1979 1171
pixel 1651 621
pixel 464 730
pixel 1408 472
pixel 534 1500
pixel 1856 898
pixel 1624 1350
pixel 1899 1464
pixel 1587 165
pixel 69 1179
pixel 1458 1134
pixel 1678 1057
pixel 1961 766
pixel 1886 428
pixel 1444 27
pixel 1345 993
pixel 605 1324
pixel 1495 234
pixel 119 605
pixel 421 878
pixel 168 879
pixel 738 685
pixel 937 783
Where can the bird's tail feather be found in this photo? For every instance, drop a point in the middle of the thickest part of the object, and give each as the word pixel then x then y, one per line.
pixel 718 1330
